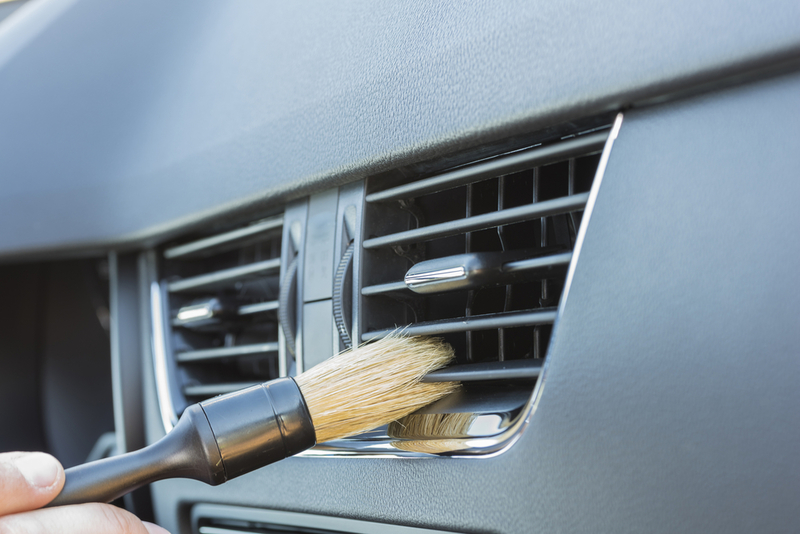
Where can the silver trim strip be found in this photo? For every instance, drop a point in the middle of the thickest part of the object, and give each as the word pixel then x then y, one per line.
pixel 116 366
pixel 166 408
pixel 510 437
pixel 587 213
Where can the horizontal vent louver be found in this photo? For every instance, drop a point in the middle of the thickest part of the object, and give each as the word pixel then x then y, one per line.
pixel 222 303
pixel 478 255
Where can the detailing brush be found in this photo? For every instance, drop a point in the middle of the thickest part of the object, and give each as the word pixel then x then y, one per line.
pixel 227 436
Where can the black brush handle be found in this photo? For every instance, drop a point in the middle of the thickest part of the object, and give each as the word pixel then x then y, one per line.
pixel 188 451
pixel 213 442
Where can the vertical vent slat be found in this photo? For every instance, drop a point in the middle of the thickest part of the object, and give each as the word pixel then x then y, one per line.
pixel 468 249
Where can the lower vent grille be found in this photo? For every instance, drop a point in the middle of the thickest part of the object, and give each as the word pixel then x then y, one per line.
pixel 223 519
pixel 221 303
pixel 478 256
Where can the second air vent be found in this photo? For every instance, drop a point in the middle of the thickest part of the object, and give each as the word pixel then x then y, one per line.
pixel 221 301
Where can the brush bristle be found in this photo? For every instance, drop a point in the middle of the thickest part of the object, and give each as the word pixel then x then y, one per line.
pixel 373 385
pixel 431 446
pixel 431 433
pixel 427 425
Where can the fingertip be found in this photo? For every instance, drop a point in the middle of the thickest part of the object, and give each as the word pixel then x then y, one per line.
pixel 42 471
pixel 154 529
pixel 28 480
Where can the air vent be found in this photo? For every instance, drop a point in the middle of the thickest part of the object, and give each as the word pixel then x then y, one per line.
pixel 220 307
pixel 477 255
pixel 223 519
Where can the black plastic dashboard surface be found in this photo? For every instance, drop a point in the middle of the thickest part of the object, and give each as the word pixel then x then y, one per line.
pixel 670 399
pixel 121 122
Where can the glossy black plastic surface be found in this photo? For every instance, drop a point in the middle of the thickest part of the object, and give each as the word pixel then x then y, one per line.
pixel 213 442
pixel 260 425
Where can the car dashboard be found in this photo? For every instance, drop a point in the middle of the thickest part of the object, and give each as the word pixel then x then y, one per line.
pixel 592 203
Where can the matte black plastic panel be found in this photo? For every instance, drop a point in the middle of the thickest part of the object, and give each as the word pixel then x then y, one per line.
pixel 670 399
pixel 122 121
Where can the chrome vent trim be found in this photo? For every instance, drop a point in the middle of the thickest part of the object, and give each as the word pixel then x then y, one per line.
pixel 169 417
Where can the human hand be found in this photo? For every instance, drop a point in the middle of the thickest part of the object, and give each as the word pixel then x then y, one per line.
pixel 30 480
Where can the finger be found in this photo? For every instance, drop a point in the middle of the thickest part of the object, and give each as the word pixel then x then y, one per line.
pixel 28 480
pixel 78 519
